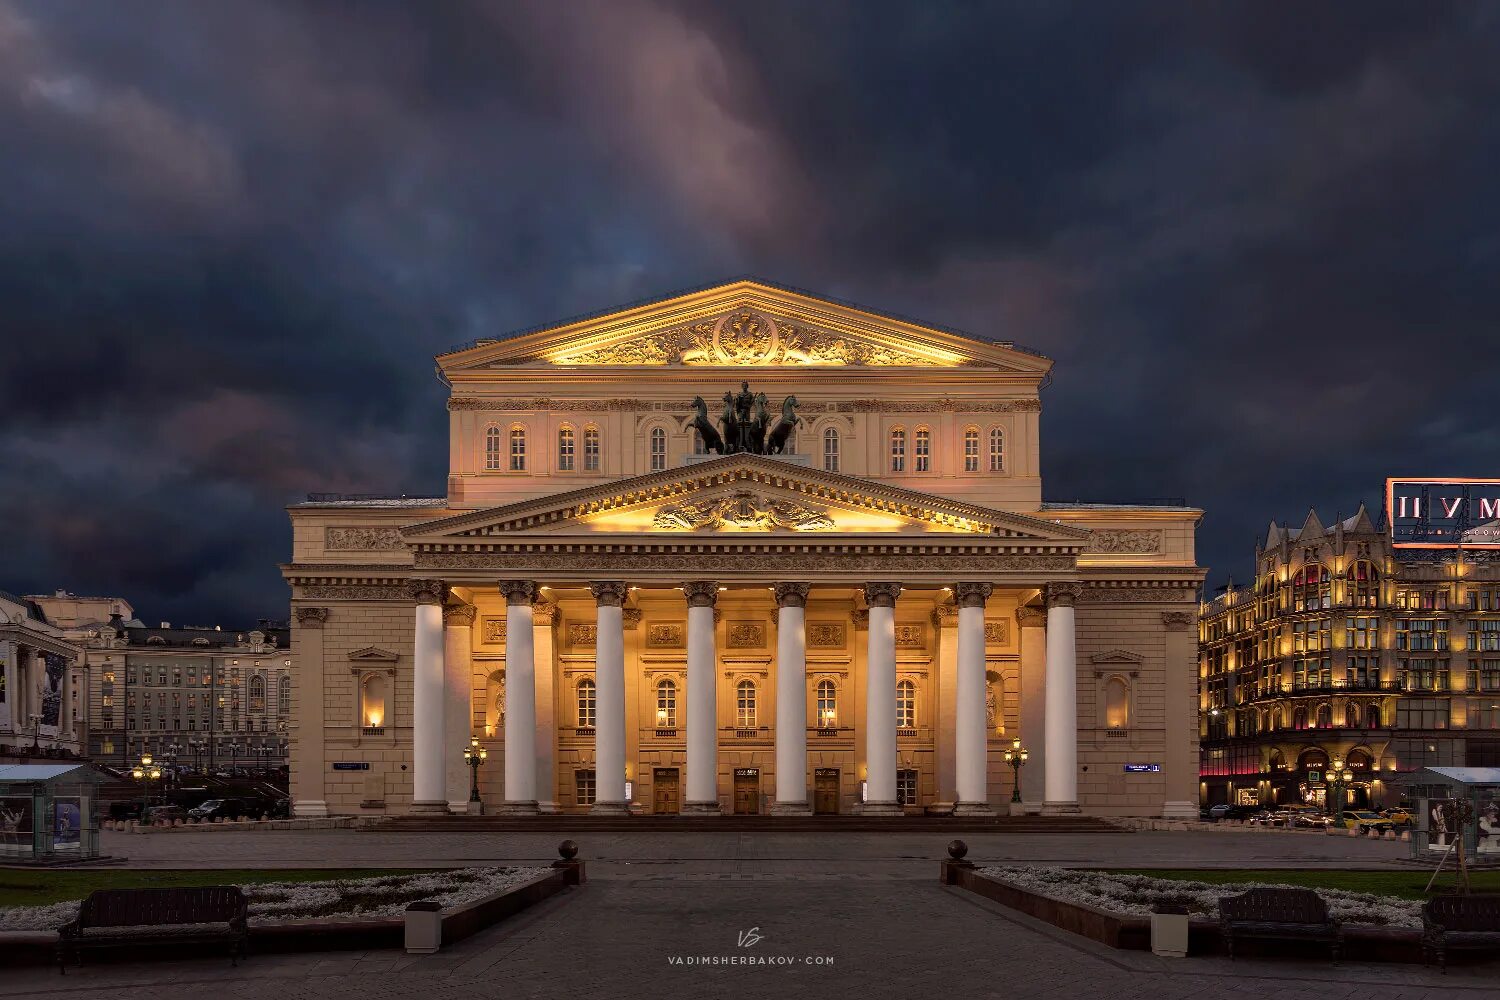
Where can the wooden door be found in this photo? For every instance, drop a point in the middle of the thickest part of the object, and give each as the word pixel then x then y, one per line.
pixel 665 800
pixel 826 791
pixel 746 791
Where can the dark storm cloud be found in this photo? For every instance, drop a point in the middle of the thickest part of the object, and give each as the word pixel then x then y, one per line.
pixel 1259 239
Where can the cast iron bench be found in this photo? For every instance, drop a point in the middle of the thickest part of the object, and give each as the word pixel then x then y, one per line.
pixel 1460 922
pixel 1278 914
pixel 128 918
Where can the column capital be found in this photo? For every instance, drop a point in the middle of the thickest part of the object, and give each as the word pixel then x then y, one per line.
pixel 701 593
pixel 972 595
pixel 1063 595
pixel 543 612
pixel 459 615
pixel 882 595
pixel 861 619
pixel 1029 617
pixel 311 617
pixel 427 591
pixel 1178 621
pixel 609 593
pixel 630 617
pixel 945 615
pixel 792 595
pixel 518 591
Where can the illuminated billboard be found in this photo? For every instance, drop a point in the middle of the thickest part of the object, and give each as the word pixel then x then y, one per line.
pixel 1443 513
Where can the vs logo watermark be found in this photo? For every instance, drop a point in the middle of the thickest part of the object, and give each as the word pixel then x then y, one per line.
pixel 749 939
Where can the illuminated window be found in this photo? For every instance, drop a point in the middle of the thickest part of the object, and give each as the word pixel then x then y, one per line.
pixel 518 449
pixel 1351 716
pixel 830 450
pixel 1325 716
pixel 971 449
pixel 283 695
pixel 744 700
pixel 828 704
pixel 492 448
pixel 372 705
pixel 1312 589
pixel 923 450
pixel 666 704
pixel 997 450
pixel 1363 584
pixel 257 694
pixel 1116 704
pixel 587 704
pixel 658 449
pixel 906 705
pixel 565 450
pixel 591 449
pixel 898 450
pixel 1299 718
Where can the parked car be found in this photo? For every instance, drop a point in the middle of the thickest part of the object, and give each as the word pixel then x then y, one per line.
pixel 127 809
pixel 158 814
pixel 226 808
pixel 1366 821
pixel 1399 816
pixel 1225 810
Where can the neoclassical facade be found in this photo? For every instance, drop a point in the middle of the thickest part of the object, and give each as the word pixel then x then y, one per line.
pixel 627 619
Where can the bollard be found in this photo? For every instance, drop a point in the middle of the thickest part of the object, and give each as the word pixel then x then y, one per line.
pixel 1389 835
pixel 424 927
pixel 950 869
pixel 572 868
pixel 1354 831
pixel 1406 835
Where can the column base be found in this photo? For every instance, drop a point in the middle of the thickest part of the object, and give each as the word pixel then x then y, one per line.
pixel 610 809
pixel 1061 809
pixel 546 806
pixel 1020 809
pixel 701 809
pixel 428 809
pixel 460 807
pixel 880 809
pixel 790 809
pixel 525 807
pixel 972 809
pixel 1179 810
pixel 310 809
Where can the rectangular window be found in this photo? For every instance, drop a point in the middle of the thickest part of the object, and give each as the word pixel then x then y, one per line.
pixel 565 450
pixel 1484 635
pixel 590 450
pixel 898 451
pixel 906 787
pixel 924 451
pixel 492 449
pixel 583 784
pixel 971 451
pixel 517 450
pixel 1362 633
pixel 1421 713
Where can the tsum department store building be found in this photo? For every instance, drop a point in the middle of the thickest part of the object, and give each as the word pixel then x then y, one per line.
pixel 626 619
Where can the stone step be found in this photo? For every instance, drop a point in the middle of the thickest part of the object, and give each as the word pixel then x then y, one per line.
pixel 567 823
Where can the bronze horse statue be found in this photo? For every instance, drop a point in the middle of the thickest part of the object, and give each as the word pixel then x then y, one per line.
pixel 776 442
pixel 705 428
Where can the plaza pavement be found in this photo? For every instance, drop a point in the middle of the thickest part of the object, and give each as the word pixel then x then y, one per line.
pixel 869 905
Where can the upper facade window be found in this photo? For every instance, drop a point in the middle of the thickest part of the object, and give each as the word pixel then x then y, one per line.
pixel 745 704
pixel 518 449
pixel 492 449
pixel 971 449
pixel 898 450
pixel 830 450
pixel 923 450
pixel 658 449
pixel 906 705
pixel 1312 589
pixel 565 449
pixel 1363 582
pixel 997 450
pixel 591 449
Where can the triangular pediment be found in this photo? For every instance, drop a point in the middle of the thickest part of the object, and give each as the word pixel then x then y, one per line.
pixel 740 495
pixel 740 324
pixel 1117 656
pixel 373 654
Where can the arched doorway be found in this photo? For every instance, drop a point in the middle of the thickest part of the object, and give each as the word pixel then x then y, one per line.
pixel 1361 764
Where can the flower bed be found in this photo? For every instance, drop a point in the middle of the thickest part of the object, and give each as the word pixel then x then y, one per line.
pixel 1136 894
pixel 384 896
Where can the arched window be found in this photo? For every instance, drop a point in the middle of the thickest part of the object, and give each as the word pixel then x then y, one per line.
pixel 828 705
pixel 1372 717
pixel 518 449
pixel 744 693
pixel 1351 716
pixel 1311 589
pixel 898 450
pixel 699 448
pixel 922 452
pixel 658 449
pixel 1299 718
pixel 1325 716
pixel 666 704
pixel 587 706
pixel 372 704
pixel 1116 704
pixel 906 705
pixel 971 449
pixel 257 693
pixel 997 450
pixel 591 449
pixel 1363 583
pixel 830 449
pixel 492 448
pixel 565 443
pixel 284 695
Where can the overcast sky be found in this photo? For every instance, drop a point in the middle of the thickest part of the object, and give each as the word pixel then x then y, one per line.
pixel 1260 240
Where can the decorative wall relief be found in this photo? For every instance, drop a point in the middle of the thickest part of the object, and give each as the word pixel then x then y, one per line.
pixel 825 635
pixel 1125 541
pixel 492 630
pixel 664 635
pixel 745 511
pixel 363 539
pixel 996 634
pixel 911 636
pixel 583 634
pixel 745 635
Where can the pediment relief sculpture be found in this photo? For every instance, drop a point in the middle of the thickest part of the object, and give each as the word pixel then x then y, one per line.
pixel 746 337
pixel 743 511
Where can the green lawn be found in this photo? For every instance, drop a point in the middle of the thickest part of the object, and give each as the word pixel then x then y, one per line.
pixel 35 888
pixel 1404 884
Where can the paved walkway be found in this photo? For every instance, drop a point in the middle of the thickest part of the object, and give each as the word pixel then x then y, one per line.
pixel 617 939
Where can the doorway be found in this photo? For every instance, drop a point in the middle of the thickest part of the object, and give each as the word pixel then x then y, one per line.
pixel 746 791
pixel 826 791
pixel 665 792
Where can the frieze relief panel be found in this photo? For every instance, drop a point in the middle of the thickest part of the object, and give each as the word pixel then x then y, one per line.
pixel 492 630
pixel 580 634
pixel 825 635
pixel 744 510
pixel 910 636
pixel 996 634
pixel 354 592
pixel 664 635
pixel 362 539
pixel 710 562
pixel 1125 541
pixel 745 635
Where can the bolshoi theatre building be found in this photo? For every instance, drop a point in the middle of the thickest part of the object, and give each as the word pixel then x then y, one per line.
pixel 743 550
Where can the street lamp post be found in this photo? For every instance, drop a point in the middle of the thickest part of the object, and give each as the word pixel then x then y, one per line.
pixel 475 756
pixel 1338 779
pixel 36 732
pixel 1016 758
pixel 146 772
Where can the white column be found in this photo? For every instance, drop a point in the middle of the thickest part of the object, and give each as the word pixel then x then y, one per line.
pixel 609 694
pixel 308 759
pixel 428 737
pixel 791 700
pixel 1060 788
pixel 702 707
pixel 1180 759
pixel 520 698
pixel 1033 664
pixel 10 652
pixel 880 701
pixel 971 736
pixel 544 670
pixel 458 703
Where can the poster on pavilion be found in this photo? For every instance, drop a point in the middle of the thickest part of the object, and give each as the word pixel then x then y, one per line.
pixel 52 679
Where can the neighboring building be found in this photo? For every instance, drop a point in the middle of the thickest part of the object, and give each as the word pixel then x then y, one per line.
pixel 1345 647
pixel 865 621
pixel 39 684
pixel 203 695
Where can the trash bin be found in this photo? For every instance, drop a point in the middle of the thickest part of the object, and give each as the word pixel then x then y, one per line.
pixel 1169 930
pixel 424 927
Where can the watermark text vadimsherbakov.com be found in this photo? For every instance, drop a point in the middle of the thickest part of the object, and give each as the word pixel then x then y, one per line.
pixel 746 940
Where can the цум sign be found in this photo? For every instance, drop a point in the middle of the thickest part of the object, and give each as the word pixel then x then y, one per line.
pixel 1443 513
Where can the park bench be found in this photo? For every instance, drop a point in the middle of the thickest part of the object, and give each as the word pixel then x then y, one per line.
pixel 1278 914
pixel 1460 922
pixel 182 917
